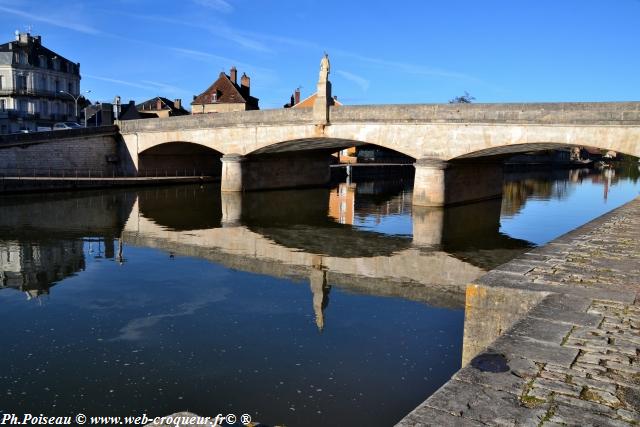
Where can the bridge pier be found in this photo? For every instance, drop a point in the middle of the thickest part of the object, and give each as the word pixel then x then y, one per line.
pixel 441 183
pixel 274 171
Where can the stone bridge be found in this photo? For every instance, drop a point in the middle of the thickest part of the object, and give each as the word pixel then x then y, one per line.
pixel 452 144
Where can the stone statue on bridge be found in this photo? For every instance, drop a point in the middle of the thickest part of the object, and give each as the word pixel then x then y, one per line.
pixel 323 94
pixel 325 68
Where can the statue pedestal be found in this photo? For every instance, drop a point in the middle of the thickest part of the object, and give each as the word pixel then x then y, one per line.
pixel 322 102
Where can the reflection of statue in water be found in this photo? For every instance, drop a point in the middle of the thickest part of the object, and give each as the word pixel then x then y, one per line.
pixel 325 68
pixel 320 290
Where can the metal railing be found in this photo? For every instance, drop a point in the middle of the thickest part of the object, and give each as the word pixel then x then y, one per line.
pixel 88 173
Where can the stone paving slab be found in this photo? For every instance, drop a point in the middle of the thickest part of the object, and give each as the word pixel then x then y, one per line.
pixel 574 358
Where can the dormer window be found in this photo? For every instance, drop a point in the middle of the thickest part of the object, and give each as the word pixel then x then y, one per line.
pixel 22 58
pixel 214 97
pixel 42 61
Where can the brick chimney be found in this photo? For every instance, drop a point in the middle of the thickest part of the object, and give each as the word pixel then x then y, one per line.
pixel 297 96
pixel 177 103
pixel 234 75
pixel 158 104
pixel 245 83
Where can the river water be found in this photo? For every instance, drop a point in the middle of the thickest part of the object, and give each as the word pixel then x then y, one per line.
pixel 339 306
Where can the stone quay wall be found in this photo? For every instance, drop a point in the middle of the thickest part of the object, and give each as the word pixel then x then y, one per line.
pixel 565 348
pixel 84 151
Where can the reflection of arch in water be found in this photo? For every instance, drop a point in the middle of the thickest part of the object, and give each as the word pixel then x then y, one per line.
pixel 300 220
pixel 184 207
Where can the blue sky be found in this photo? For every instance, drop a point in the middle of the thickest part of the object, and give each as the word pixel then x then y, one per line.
pixel 380 51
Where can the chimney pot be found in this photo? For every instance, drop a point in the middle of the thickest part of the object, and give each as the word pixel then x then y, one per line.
pixel 245 83
pixel 234 75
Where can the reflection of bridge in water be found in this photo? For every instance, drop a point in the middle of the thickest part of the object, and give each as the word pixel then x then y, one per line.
pixel 281 234
pixel 288 234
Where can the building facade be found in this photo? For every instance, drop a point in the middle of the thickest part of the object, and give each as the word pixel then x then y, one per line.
pixel 37 86
pixel 226 95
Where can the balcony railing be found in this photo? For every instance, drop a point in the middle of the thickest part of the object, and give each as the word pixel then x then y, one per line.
pixel 34 92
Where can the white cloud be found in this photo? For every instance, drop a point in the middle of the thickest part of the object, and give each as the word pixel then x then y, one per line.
pixel 358 80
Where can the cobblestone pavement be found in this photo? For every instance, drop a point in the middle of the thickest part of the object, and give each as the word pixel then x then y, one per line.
pixel 574 358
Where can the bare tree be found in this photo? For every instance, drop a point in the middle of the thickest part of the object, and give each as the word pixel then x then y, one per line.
pixel 464 99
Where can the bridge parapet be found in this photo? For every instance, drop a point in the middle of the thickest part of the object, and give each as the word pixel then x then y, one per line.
pixel 582 113
pixel 240 118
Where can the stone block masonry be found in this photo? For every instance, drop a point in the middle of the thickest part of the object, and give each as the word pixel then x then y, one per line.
pixel 568 348
pixel 82 151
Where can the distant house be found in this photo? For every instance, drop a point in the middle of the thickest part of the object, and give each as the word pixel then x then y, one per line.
pixel 162 107
pixel 130 112
pixel 225 95
pixel 152 108
pixel 307 102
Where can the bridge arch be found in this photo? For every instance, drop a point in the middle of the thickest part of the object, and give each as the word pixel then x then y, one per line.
pixel 179 158
pixel 326 145
pixel 505 151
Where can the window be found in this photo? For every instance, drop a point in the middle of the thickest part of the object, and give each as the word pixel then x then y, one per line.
pixel 43 83
pixel 3 104
pixel 57 86
pixel 70 88
pixel 214 97
pixel 22 58
pixel 22 105
pixel 21 81
pixel 1 82
pixel 42 61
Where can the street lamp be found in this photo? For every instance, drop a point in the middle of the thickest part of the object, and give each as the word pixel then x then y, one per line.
pixel 75 99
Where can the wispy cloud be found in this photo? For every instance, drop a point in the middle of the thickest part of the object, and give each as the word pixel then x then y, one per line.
pixel 198 54
pixel 219 5
pixel 162 87
pixel 147 85
pixel 136 328
pixel 218 29
pixel 406 67
pixel 58 22
pixel 358 80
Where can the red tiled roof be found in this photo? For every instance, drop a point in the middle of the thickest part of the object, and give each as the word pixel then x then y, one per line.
pixel 226 92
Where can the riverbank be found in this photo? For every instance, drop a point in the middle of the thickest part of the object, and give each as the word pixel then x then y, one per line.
pixel 570 353
pixel 35 184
